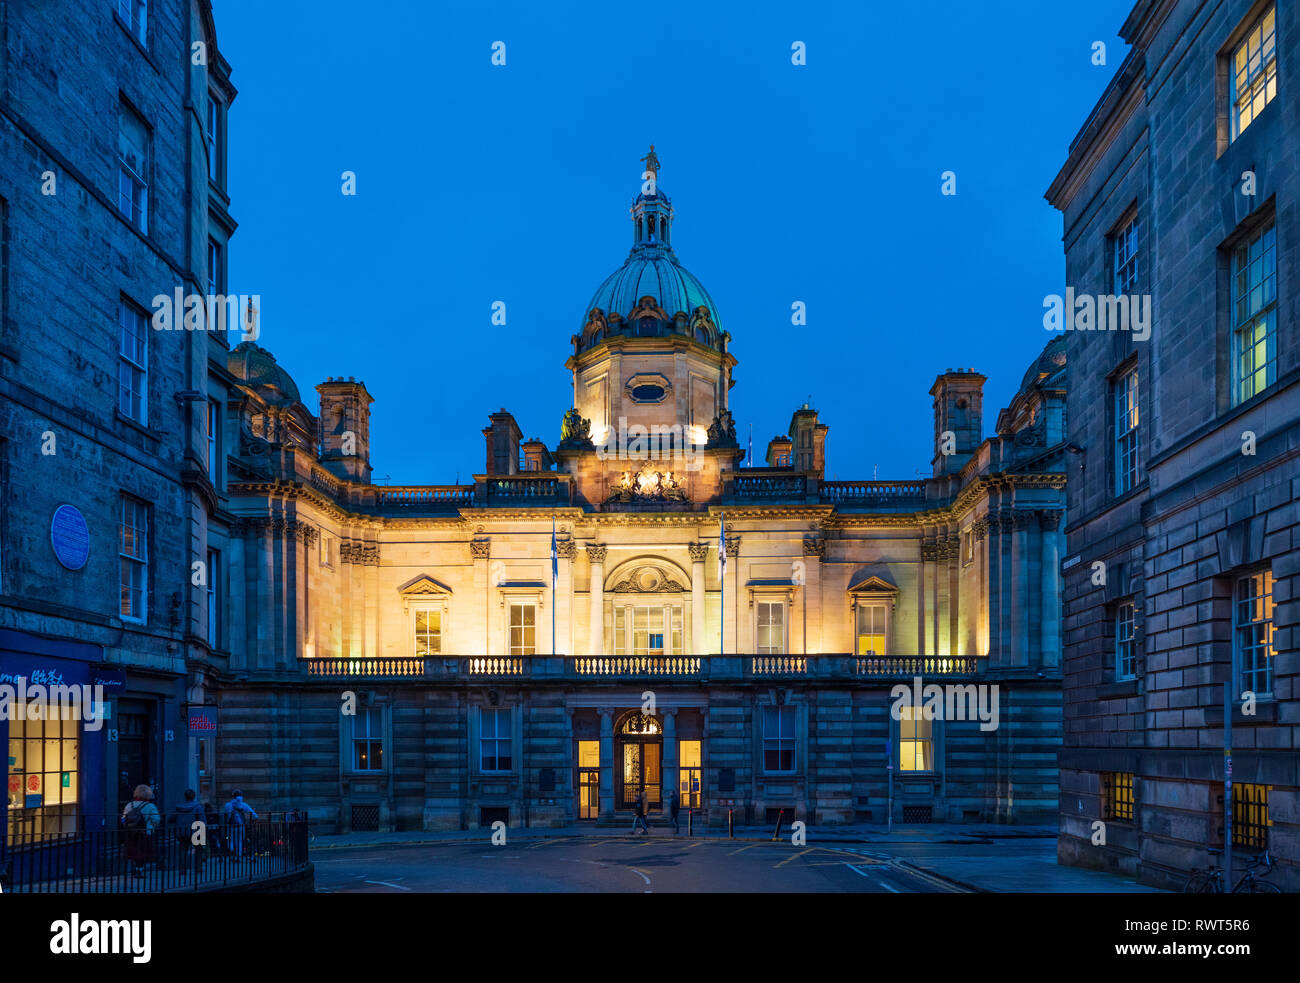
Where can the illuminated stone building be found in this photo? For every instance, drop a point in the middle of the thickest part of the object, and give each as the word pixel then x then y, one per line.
pixel 112 192
pixel 1182 558
pixel 486 687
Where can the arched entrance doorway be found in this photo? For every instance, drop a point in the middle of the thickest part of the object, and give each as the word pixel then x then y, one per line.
pixel 638 758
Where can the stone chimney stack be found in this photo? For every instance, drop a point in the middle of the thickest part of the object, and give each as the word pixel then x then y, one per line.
pixel 780 452
pixel 345 428
pixel 809 440
pixel 958 419
pixel 503 438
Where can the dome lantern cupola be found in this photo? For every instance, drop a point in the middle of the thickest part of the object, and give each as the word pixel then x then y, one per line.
pixel 651 294
pixel 652 212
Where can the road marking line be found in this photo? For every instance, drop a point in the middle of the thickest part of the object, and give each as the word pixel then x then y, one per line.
pixel 743 849
pixel 795 857
pixel 398 887
pixel 924 875
pixel 643 875
pixel 558 839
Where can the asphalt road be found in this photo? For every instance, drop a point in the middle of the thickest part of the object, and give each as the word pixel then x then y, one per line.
pixel 612 864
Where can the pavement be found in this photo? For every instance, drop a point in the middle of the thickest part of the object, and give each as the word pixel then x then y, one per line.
pixel 924 858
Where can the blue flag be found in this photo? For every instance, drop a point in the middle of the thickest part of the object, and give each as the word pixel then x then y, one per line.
pixel 722 545
pixel 555 557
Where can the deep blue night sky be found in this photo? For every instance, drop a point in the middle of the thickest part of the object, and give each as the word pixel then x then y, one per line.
pixel 818 183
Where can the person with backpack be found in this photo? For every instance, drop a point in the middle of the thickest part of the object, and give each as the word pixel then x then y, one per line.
pixel 237 814
pixel 139 819
pixel 184 816
pixel 639 818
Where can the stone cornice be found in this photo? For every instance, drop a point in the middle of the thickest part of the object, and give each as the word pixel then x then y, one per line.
pixel 826 516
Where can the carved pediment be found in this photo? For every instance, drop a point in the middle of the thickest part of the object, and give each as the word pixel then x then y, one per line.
pixel 648 580
pixel 873 586
pixel 423 586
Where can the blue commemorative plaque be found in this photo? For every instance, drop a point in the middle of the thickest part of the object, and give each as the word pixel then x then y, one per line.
pixel 70 537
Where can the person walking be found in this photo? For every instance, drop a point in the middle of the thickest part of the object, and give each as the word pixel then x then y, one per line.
pixel 237 814
pixel 639 818
pixel 184 815
pixel 673 807
pixel 139 819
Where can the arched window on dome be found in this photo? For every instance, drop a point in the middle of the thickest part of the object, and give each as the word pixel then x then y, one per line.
pixel 663 226
pixel 646 327
pixel 702 335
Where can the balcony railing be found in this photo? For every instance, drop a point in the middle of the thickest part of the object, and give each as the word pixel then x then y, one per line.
pixel 768 486
pixel 526 488
pixel 905 666
pixel 497 666
pixel 592 667
pixel 326 482
pixel 779 665
pixel 636 665
pixel 361 668
pixel 884 493
pixel 425 495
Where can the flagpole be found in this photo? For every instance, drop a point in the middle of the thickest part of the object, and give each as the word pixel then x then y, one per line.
pixel 722 579
pixel 555 573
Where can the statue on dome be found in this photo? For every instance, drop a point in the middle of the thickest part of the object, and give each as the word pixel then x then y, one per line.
pixel 651 161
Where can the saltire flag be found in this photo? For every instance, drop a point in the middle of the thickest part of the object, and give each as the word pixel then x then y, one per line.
pixel 722 545
pixel 555 556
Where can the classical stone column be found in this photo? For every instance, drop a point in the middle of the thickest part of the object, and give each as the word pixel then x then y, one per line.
pixel 996 592
pixel 699 641
pixel 480 550
pixel 297 543
pixel 606 762
pixel 733 594
pixel 596 627
pixel 811 629
pixel 236 637
pixel 267 537
pixel 1049 521
pixel 669 763
pixel 927 550
pixel 1021 584
pixel 369 561
pixel 980 621
pixel 956 643
pixel 564 612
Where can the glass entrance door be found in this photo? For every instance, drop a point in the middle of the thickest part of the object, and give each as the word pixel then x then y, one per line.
pixel 588 779
pixel 642 773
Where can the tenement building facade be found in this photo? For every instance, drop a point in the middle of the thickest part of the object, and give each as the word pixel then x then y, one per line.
pixel 112 193
pixel 1182 559
pixel 555 639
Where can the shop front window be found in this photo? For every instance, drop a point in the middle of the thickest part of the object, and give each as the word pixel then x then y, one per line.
pixel 43 780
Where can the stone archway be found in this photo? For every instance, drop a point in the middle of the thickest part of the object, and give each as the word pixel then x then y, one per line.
pixel 638 760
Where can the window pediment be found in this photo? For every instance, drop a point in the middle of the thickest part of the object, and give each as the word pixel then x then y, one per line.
pixel 423 591
pixel 874 586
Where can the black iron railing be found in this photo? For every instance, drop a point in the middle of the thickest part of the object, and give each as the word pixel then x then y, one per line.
pixel 101 857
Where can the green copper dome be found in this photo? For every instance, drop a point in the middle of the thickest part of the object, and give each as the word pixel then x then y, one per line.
pixel 651 294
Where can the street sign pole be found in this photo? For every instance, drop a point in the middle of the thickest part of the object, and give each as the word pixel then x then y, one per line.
pixel 889 767
pixel 1227 786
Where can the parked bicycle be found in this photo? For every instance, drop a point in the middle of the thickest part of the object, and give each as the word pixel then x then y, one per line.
pixel 1209 880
